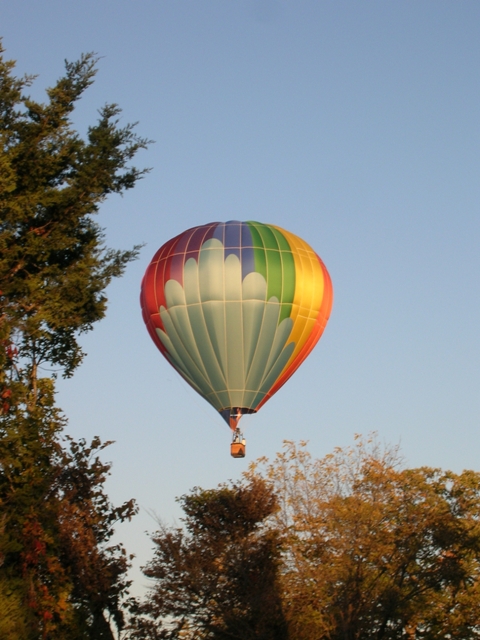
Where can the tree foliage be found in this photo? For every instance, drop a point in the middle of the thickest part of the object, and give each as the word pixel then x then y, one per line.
pixel 217 578
pixel 352 546
pixel 56 557
pixel 57 566
pixel 373 550
pixel 54 266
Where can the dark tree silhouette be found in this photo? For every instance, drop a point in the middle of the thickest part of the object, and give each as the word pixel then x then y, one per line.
pixel 217 578
pixel 59 578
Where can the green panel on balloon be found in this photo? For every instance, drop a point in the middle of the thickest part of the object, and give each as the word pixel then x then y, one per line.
pixel 273 258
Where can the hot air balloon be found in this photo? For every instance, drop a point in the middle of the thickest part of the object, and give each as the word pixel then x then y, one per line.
pixel 236 307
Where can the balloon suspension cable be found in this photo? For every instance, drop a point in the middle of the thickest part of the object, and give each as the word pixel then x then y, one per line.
pixel 237 435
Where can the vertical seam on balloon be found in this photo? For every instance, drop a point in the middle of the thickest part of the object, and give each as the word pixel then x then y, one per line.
pixel 186 351
pixel 298 268
pixel 241 312
pixel 281 272
pixel 261 227
pixel 270 370
pixel 201 307
pixel 299 289
pixel 313 338
pixel 272 365
pixel 162 275
pixel 266 373
pixel 301 247
pixel 205 322
pixel 189 382
pixel 262 357
pixel 280 298
pixel 254 224
pixel 221 364
pixel 223 225
pixel 237 390
pixel 308 345
pixel 204 373
pixel 305 331
pixel 304 336
pixel 160 258
pixel 155 285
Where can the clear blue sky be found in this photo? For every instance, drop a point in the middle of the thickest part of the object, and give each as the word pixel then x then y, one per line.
pixel 354 125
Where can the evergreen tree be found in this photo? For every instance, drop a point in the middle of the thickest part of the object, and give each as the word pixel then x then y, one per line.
pixel 55 563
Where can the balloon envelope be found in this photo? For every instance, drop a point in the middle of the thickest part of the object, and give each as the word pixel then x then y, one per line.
pixel 235 308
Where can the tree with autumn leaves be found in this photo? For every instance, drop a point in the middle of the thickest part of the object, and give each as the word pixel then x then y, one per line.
pixel 60 577
pixel 363 549
pixel 217 576
pixel 375 550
